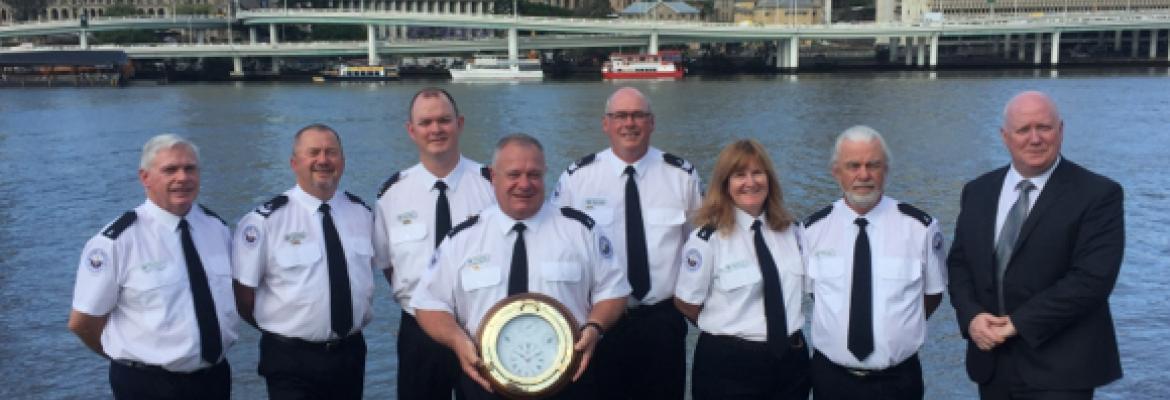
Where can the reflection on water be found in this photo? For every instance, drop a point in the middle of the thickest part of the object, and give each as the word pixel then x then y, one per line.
pixel 69 157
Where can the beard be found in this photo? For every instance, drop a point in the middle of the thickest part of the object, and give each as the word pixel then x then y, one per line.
pixel 864 201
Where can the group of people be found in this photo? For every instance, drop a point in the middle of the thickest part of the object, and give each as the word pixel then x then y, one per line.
pixel 633 250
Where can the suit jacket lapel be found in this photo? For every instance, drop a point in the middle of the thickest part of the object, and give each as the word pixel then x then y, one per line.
pixel 1056 187
pixel 987 206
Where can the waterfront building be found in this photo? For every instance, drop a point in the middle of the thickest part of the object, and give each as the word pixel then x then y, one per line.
pixel 776 12
pixel 661 11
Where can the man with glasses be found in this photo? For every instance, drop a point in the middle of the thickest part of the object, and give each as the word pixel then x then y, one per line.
pixel 644 355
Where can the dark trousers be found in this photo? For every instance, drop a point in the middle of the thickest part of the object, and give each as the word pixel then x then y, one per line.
pixel 141 382
pixel 835 382
pixel 1006 384
pixel 582 389
pixel 644 355
pixel 727 367
pixel 426 369
pixel 297 369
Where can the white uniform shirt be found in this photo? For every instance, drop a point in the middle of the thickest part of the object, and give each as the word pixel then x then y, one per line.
pixel 722 274
pixel 566 260
pixel 404 227
pixel 279 249
pixel 668 192
pixel 137 274
pixel 907 262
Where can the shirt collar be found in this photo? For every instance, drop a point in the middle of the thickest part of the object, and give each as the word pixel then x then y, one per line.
pixel 745 220
pixel 164 217
pixel 618 167
pixel 452 179
pixel 1014 177
pixel 505 223
pixel 873 213
pixel 309 202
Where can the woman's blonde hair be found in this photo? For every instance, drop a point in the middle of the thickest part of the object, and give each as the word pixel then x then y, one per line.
pixel 718 208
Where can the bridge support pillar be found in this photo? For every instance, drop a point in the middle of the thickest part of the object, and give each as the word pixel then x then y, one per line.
pixel 1038 49
pixel 1154 44
pixel 1117 40
pixel 83 39
pixel 1022 48
pixel 200 36
pixel 1007 45
pixel 893 46
pixel 908 46
pixel 653 47
pixel 1135 43
pixel 252 35
pixel 933 51
pixel 793 53
pixel 778 55
pixel 513 46
pixel 920 61
pixel 272 39
pixel 237 66
pixel 372 46
pixel 275 65
pixel 1054 57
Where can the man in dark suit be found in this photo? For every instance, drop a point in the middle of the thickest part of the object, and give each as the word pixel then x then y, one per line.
pixel 1037 248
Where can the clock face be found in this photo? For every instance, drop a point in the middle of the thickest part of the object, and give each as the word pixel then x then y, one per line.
pixel 527 345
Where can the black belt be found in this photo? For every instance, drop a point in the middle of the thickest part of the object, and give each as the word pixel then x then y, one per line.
pixel 795 341
pixel 863 372
pixel 328 345
pixel 664 305
pixel 158 369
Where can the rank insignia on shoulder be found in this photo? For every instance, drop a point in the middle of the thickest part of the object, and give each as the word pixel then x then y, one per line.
pixel 705 232
pixel 678 162
pixel 486 173
pixel 817 216
pixel 271 206
pixel 212 214
pixel 388 183
pixel 118 226
pixel 355 199
pixel 916 213
pixel 581 163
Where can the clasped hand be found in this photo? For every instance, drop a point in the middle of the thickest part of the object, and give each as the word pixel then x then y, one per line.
pixel 989 331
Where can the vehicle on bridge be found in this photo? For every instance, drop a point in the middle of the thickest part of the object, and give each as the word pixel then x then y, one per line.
pixel 492 67
pixel 642 66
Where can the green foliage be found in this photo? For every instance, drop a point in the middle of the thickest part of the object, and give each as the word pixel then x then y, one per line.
pixel 121 10
pixel 338 32
pixel 194 9
pixel 23 10
pixel 594 9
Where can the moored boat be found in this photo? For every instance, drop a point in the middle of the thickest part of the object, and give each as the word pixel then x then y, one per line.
pixel 490 67
pixel 640 66
pixel 365 73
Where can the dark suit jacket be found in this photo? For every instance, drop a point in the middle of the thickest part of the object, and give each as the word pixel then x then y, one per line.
pixel 1057 284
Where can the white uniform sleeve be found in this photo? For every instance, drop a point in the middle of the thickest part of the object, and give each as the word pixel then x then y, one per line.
pixel 250 250
pixel 382 255
pixel 934 268
pixel 436 288
pixel 563 195
pixel 692 201
pixel 96 290
pixel 609 280
pixel 696 272
pixel 802 246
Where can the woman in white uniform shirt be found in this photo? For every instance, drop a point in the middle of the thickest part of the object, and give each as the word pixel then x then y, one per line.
pixel 742 283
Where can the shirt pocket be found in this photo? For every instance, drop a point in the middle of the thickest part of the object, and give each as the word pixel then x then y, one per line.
pixel 731 278
pixel 566 272
pixel 402 233
pixel 219 277
pixel 478 278
pixel 829 283
pixel 665 216
pixel 293 262
pixel 601 215
pixel 152 285
pixel 899 274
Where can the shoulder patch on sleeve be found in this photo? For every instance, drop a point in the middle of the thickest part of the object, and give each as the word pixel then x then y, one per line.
pixel 914 212
pixel 486 173
pixel 467 223
pixel 581 163
pixel 354 198
pixel 817 216
pixel 705 232
pixel 271 206
pixel 115 229
pixel 678 162
pixel 578 215
pixel 212 214
pixel 389 182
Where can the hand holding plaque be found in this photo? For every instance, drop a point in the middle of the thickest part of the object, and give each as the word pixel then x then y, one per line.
pixel 527 345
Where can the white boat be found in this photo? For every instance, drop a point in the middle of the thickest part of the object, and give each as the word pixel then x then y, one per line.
pixel 493 68
pixel 640 66
pixel 372 73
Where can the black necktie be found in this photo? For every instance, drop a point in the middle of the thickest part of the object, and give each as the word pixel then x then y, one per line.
pixel 518 276
pixel 1008 235
pixel 638 263
pixel 340 303
pixel 209 338
pixel 774 313
pixel 861 301
pixel 442 213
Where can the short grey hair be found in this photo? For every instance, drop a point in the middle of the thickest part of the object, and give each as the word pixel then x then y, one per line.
pixel 515 138
pixel 315 127
pixel 162 142
pixel 1007 108
pixel 609 101
pixel 860 133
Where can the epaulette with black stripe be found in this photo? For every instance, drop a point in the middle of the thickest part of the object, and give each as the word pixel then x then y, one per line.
pixel 705 232
pixel 115 229
pixel 212 214
pixel 271 206
pixel 678 162
pixel 389 182
pixel 486 173
pixel 914 212
pixel 578 215
pixel 817 216
pixel 581 163
pixel 354 198
pixel 467 223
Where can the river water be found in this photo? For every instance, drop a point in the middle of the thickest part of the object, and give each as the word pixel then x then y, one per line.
pixel 69 157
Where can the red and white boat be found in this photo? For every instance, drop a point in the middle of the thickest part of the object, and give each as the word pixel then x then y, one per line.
pixel 641 66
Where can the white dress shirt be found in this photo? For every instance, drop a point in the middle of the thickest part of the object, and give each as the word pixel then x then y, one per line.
pixel 722 274
pixel 1009 193
pixel 566 261
pixel 280 251
pixel 404 227
pixel 137 274
pixel 907 261
pixel 668 193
